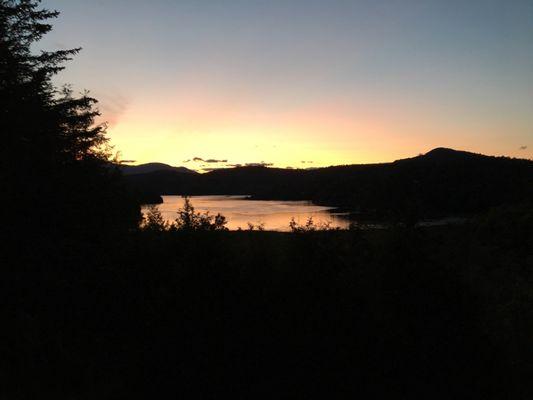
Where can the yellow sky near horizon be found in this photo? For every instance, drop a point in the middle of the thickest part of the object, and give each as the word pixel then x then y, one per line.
pixel 174 130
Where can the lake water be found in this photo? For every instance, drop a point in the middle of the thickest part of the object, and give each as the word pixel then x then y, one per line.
pixel 275 215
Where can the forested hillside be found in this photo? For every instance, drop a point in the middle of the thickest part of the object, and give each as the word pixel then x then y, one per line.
pixel 440 183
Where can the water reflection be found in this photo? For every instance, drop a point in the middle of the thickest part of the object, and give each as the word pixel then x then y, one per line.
pixel 274 215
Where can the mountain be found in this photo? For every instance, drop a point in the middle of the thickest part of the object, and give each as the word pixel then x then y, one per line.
pixel 439 183
pixel 152 167
pixel 140 177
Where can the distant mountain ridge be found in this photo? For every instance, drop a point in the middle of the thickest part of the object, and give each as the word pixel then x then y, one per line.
pixel 439 183
pixel 152 167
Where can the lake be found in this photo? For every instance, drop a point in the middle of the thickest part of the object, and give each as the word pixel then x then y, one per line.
pixel 239 211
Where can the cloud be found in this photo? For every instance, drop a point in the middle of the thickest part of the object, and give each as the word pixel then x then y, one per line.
pixel 307 162
pixel 261 164
pixel 209 160
pixel 112 106
pixel 208 168
pixel 522 148
pixel 212 160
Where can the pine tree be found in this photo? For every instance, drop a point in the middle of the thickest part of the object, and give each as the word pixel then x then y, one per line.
pixel 55 158
pixel 42 122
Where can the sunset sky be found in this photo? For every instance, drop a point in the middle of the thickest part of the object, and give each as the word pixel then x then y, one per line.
pixel 303 83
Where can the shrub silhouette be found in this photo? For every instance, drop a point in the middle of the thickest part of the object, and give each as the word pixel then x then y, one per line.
pixel 153 220
pixel 260 226
pixel 190 220
pixel 310 226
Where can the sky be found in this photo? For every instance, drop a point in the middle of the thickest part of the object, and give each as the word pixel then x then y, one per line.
pixel 302 83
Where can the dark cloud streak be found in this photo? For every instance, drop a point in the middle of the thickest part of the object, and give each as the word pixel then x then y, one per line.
pixel 208 160
pixel 261 164
pixel 112 106
pixel 212 160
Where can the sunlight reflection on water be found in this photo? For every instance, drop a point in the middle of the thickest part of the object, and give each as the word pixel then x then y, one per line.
pixel 274 214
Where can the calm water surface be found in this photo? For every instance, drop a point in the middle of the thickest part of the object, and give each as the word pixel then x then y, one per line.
pixel 275 215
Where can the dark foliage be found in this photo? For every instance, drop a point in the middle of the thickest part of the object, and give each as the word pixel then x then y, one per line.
pixel 441 312
pixel 187 220
pixel 53 155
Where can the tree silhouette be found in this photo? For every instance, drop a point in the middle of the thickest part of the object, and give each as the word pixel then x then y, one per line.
pixel 190 220
pixel 54 155
pixel 153 220
pixel 42 122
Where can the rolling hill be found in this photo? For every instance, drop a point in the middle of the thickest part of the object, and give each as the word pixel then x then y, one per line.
pixel 439 183
pixel 152 167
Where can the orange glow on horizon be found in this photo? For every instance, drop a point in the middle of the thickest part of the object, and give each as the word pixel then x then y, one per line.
pixel 175 129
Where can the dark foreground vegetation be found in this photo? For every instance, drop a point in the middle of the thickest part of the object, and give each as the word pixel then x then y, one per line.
pixel 443 312
pixel 94 306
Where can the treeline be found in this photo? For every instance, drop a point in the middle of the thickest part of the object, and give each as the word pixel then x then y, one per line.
pixel 440 183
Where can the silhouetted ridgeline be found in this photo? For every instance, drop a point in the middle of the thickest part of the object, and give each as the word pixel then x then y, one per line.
pixel 152 167
pixel 441 182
